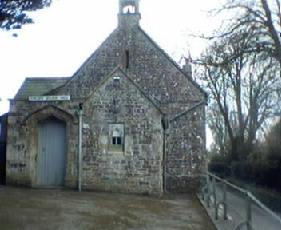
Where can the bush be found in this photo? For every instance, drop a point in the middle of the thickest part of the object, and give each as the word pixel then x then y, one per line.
pixel 220 169
pixel 261 167
pixel 273 170
pixel 257 163
pixel 219 165
pixel 266 168
pixel 241 170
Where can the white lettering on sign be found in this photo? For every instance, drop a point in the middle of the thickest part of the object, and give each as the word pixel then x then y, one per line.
pixel 50 98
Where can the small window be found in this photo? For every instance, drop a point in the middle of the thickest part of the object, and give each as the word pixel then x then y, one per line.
pixel 116 81
pixel 116 135
pixel 117 140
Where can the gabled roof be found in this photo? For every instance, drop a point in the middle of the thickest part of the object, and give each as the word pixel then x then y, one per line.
pixel 93 56
pixel 39 86
pixel 42 86
pixel 86 62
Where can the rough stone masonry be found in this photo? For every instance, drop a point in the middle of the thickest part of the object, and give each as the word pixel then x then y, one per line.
pixel 143 122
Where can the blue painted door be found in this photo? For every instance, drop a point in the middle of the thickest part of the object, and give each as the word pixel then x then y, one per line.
pixel 51 162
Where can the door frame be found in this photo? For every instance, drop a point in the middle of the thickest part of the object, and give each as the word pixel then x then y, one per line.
pixel 31 123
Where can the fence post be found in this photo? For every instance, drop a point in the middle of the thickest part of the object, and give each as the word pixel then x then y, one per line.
pixel 209 191
pixel 204 186
pixel 224 202
pixel 214 191
pixel 249 211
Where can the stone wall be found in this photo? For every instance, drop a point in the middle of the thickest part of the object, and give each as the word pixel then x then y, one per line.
pixel 22 139
pixel 185 149
pixel 150 87
pixel 137 168
pixel 3 136
pixel 165 84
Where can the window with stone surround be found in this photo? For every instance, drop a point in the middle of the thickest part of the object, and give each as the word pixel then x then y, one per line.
pixel 116 137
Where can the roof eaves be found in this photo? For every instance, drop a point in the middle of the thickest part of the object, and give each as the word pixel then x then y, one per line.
pixel 83 64
pixel 188 110
pixel 89 58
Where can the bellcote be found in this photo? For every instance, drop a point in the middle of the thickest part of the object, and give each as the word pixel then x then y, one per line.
pixel 129 14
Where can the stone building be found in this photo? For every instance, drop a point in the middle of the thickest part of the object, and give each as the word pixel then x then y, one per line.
pixel 3 139
pixel 129 120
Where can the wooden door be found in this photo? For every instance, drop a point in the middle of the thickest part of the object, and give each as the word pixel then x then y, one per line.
pixel 51 162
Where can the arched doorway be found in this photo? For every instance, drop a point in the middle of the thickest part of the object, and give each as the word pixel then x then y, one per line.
pixel 51 162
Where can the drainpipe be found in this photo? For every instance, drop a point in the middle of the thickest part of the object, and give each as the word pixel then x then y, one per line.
pixel 165 127
pixel 80 114
pixel 164 163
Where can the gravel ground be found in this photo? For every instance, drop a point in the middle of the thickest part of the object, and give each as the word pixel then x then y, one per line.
pixel 29 209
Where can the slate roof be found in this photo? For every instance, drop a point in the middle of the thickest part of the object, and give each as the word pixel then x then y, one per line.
pixel 39 86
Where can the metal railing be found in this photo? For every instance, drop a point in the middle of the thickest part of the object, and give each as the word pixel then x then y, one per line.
pixel 209 192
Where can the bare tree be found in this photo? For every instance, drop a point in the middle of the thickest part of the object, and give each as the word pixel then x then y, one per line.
pixel 243 87
pixel 217 125
pixel 262 18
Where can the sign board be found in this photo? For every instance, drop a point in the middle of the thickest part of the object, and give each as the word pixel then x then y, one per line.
pixel 50 98
pixel 86 126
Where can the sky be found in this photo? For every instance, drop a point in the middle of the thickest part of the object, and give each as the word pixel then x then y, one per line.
pixel 67 33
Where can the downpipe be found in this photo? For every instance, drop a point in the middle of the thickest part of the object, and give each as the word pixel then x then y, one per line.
pixel 80 115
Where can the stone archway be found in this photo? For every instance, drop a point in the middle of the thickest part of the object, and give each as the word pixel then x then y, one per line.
pixel 50 139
